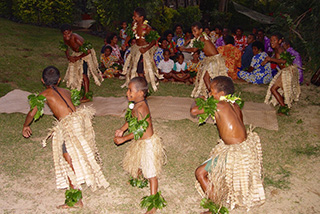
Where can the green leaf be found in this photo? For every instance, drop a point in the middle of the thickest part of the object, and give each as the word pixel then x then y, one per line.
pixel 153 201
pixel 129 31
pixel 299 121
pixel 37 101
pixel 152 36
pixel 214 208
pixel 72 197
pixel 62 46
pixel 198 44
pixel 288 57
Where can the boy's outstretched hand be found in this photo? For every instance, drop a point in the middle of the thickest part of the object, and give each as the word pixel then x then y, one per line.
pixel 119 133
pixel 119 140
pixel 26 131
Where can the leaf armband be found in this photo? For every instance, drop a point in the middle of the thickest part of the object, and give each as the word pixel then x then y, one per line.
pixel 63 46
pixel 85 47
pixel 152 36
pixel 288 57
pixel 72 197
pixel 209 106
pixel 38 101
pixel 153 201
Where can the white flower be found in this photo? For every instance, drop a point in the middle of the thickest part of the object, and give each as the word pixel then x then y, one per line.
pixel 131 106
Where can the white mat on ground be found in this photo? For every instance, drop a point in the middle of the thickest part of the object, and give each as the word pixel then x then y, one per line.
pixel 170 108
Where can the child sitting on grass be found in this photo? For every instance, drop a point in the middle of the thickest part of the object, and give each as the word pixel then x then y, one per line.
pixel 146 154
pixel 179 69
pixel 75 153
pixel 232 175
pixel 166 65
pixel 110 64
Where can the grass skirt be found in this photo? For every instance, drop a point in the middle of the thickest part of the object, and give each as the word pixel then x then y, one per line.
pixel 290 89
pixel 74 74
pixel 76 131
pixel 215 66
pixel 147 155
pixel 236 178
pixel 150 69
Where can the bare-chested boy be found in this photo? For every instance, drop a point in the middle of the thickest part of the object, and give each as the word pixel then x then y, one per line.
pixel 286 79
pixel 147 154
pixel 80 63
pixel 75 154
pixel 232 176
pixel 140 61
pixel 211 66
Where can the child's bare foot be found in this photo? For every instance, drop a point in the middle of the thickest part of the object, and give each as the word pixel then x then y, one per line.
pixel 153 210
pixel 79 204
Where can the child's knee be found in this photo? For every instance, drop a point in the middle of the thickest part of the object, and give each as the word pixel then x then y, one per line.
pixel 200 172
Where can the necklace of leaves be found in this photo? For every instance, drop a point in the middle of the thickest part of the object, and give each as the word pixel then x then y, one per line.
pixel 210 105
pixel 135 126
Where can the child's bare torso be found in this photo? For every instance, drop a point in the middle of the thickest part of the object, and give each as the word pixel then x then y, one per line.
pixel 57 105
pixel 141 110
pixel 75 42
pixel 230 123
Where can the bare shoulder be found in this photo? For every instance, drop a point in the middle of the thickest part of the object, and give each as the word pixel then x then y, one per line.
pixel 142 110
pixel 78 38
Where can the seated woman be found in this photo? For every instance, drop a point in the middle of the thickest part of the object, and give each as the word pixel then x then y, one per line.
pixel 257 73
pixel 112 41
pixel 231 55
pixel 109 64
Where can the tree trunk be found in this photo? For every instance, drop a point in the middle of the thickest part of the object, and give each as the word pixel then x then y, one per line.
pixel 223 5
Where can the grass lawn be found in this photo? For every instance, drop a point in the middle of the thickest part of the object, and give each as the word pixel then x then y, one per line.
pixel 27 180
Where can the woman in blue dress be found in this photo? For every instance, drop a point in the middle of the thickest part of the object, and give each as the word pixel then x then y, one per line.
pixel 257 73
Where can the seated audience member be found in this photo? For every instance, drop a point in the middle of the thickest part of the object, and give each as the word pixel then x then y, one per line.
pixel 217 33
pixel 109 64
pixel 158 55
pixel 265 41
pixel 179 69
pixel 178 33
pixel 220 40
pixel 183 44
pixel 297 60
pixel 240 40
pixel 172 45
pixel 255 31
pixel 112 42
pixel 248 54
pixel 128 51
pixel 193 65
pixel 257 73
pixel 232 57
pixel 166 65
